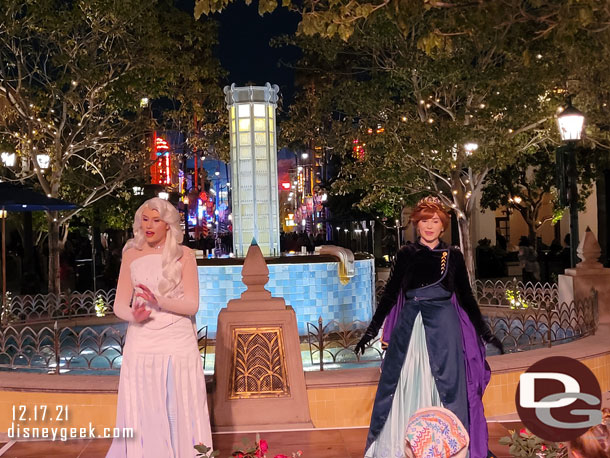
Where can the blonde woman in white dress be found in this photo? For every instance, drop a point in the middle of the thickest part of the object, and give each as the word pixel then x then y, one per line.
pixel 162 393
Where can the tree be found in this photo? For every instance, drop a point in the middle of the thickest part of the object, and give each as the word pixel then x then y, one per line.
pixel 435 77
pixel 73 74
pixel 524 185
pixel 435 113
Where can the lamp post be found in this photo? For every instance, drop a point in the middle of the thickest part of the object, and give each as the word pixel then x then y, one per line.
pixel 570 123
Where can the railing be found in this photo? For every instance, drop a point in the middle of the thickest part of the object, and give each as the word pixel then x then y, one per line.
pixel 548 325
pixel 535 319
pixel 528 317
pixel 70 349
pixel 334 343
pixel 498 293
pixel 49 307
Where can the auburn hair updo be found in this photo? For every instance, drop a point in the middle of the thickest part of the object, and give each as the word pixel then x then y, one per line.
pixel 427 207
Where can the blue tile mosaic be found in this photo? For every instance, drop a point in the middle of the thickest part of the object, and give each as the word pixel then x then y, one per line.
pixel 313 290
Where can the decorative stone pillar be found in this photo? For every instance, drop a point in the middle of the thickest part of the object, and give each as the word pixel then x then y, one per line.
pixel 259 379
pixel 576 283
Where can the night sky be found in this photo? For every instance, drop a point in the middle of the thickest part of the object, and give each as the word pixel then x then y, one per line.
pixel 244 49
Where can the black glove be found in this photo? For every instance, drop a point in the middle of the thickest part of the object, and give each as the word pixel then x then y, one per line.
pixel 366 338
pixel 496 343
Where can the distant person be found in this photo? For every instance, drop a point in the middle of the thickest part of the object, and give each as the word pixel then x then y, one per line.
pixel 528 260
pixel 389 244
pixel 501 241
pixel 566 253
pixel 555 247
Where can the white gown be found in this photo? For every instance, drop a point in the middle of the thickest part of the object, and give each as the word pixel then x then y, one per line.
pixel 162 393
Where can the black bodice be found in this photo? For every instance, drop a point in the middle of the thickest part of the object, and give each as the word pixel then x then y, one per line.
pixel 417 266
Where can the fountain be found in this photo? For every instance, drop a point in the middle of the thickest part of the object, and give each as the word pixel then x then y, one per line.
pixel 334 285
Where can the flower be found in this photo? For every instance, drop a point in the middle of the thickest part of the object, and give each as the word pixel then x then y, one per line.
pixel 263 445
pixel 524 444
pixel 280 456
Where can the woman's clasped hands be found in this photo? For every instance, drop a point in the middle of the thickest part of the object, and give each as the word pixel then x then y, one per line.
pixel 146 297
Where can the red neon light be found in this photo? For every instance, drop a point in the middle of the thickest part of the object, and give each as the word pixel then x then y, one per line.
pixel 161 144
pixel 358 151
pixel 286 185
pixel 160 171
pixel 167 170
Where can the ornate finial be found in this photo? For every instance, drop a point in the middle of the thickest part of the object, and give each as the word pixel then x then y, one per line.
pixel 589 251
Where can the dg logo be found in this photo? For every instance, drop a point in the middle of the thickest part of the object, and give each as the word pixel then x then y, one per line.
pixel 559 399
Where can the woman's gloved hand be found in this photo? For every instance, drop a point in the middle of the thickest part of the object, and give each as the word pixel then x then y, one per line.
pixel 490 338
pixel 369 335
pixel 496 343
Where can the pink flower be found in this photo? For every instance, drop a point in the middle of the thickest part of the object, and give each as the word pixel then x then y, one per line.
pixel 543 447
pixel 280 456
pixel 524 432
pixel 263 445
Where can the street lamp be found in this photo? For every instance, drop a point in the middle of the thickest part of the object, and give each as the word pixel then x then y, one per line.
pixel 470 148
pixel 570 122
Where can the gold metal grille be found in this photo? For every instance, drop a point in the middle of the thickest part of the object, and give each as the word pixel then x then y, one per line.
pixel 258 367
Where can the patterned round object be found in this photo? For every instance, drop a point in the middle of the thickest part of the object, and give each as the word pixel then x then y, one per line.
pixel 435 432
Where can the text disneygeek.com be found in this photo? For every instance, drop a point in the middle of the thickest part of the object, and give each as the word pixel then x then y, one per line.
pixel 16 431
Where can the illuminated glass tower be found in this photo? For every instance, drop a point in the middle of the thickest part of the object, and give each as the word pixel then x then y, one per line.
pixel 254 182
